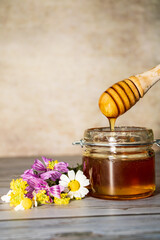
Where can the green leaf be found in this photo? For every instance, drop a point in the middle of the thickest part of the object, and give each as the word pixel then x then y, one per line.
pixel 78 167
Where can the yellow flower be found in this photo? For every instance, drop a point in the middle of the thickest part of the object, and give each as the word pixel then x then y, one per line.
pixel 74 185
pixel 18 192
pixel 16 198
pixel 18 185
pixel 26 203
pixel 63 200
pixel 51 164
pixel 78 198
pixel 41 198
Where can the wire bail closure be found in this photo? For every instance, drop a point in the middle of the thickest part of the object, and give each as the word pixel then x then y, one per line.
pixel 80 142
pixel 157 142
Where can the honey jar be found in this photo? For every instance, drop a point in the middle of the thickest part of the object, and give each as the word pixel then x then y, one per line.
pixel 120 164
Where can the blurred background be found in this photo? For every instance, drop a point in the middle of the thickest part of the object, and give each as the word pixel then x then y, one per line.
pixel 57 57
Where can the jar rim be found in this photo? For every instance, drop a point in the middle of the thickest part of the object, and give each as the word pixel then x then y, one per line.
pixel 122 136
pixel 119 129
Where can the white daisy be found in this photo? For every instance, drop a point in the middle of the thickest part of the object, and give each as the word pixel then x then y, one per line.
pixel 6 198
pixel 74 184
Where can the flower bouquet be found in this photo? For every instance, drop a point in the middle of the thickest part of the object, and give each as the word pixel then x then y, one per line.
pixel 47 182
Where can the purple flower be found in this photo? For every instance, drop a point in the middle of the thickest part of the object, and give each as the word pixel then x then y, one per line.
pixel 29 193
pixel 29 173
pixel 46 160
pixel 38 165
pixel 39 184
pixel 61 166
pixel 50 169
pixel 56 191
pixel 51 174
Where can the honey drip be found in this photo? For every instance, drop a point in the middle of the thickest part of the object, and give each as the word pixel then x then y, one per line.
pixel 112 123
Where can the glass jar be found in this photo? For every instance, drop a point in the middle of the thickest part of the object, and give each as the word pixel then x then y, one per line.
pixel 120 164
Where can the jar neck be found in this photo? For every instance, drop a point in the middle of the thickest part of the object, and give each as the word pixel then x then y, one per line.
pixel 115 153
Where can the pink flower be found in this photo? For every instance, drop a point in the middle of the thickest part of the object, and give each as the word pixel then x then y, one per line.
pixel 53 175
pixel 50 169
pixel 39 184
pixel 29 173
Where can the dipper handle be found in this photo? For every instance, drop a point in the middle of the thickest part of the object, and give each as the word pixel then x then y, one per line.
pixel 119 98
pixel 146 80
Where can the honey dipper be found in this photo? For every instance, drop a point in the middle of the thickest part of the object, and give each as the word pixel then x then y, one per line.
pixel 119 98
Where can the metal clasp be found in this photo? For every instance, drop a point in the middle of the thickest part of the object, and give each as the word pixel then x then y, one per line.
pixel 80 142
pixel 157 142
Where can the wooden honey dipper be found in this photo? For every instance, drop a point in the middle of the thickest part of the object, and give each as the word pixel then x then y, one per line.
pixel 119 98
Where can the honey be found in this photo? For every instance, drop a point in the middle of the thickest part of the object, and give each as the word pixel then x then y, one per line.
pixel 119 164
pixel 112 123
pixel 120 179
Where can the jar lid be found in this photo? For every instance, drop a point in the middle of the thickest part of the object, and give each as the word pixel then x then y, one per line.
pixel 121 136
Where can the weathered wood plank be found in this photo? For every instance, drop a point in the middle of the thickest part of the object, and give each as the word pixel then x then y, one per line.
pixel 110 227
pixel 85 208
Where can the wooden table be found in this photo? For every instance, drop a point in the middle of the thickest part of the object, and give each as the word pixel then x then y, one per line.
pixel 89 218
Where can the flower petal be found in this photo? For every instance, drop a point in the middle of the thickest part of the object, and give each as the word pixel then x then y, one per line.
pixel 85 183
pixel 6 198
pixel 79 173
pixel 64 178
pixel 38 165
pixel 83 191
pixel 54 175
pixel 36 182
pixel 19 207
pixel 61 166
pixel 61 188
pixel 63 183
pixel 70 195
pixel 56 190
pixel 80 178
pixel 71 175
pixel 46 160
pixel 29 173
pixel 29 193
pixel 46 175
pixel 77 194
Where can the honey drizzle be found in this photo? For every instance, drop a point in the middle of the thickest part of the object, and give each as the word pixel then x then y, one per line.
pixel 112 123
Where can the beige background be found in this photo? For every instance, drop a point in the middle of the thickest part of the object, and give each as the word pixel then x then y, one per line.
pixel 58 56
